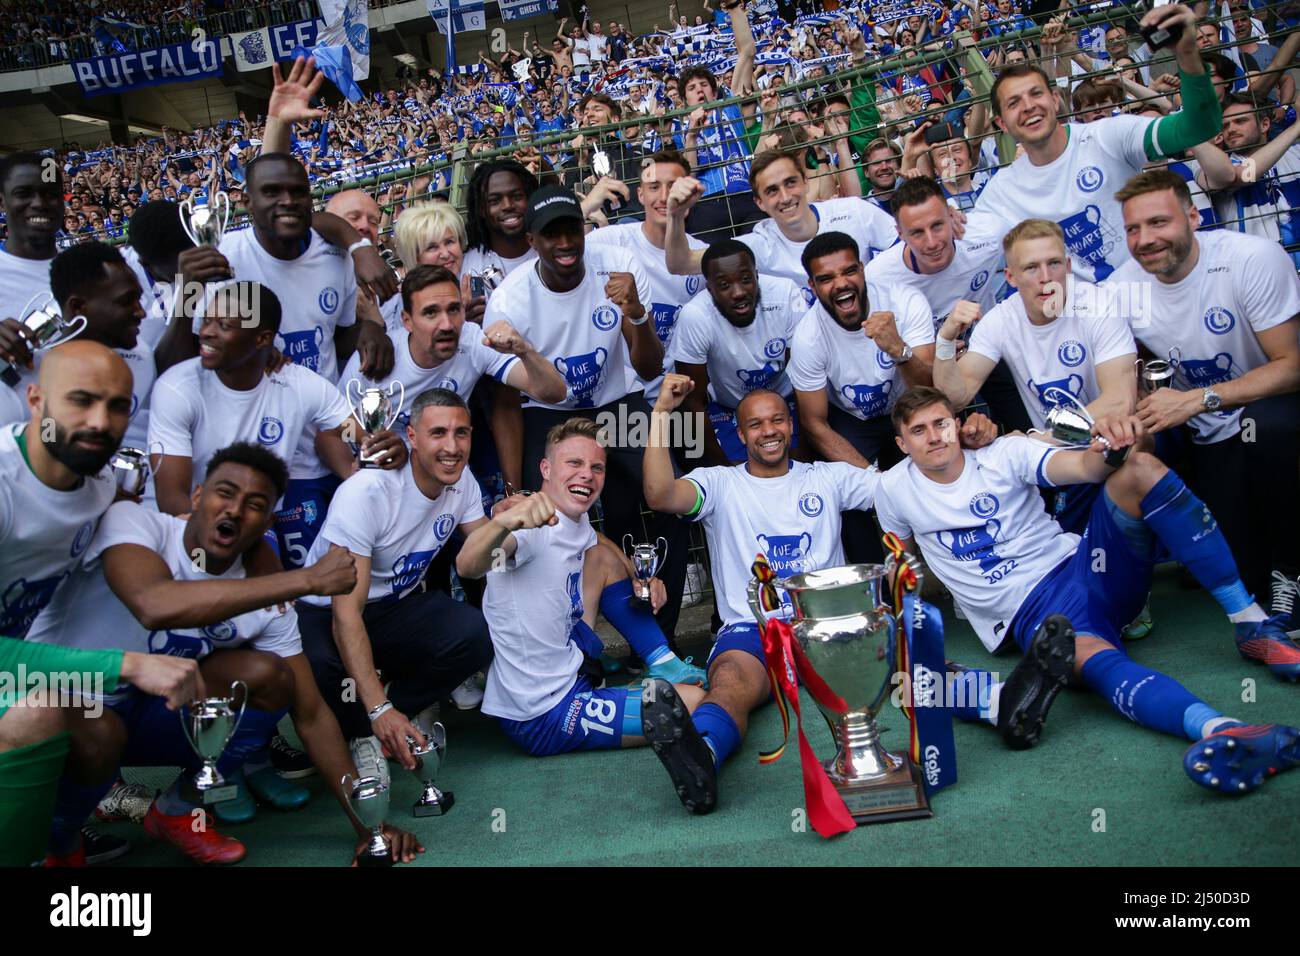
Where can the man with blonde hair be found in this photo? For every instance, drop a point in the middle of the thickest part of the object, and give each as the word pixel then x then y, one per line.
pixel 547 573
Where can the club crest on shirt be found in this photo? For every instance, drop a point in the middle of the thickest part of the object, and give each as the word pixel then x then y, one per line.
pixel 443 526
pixel 1071 353
pixel 605 317
pixel 1089 179
pixel 774 348
pixel 450 384
pixel 811 504
pixel 270 431
pixel 328 300
pixel 694 284
pixel 81 540
pixel 1219 320
pixel 222 631
pixel 984 505
pixel 978 279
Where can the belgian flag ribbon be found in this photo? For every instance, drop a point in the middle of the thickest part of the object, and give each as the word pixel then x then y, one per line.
pixel 826 810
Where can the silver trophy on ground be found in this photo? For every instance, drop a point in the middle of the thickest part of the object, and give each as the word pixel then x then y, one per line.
pixel 368 800
pixel 433 802
pixel 208 724
pixel 1071 424
pixel 1158 373
pixel 646 559
pixel 849 638
pixel 374 411
pixel 206 223
pixel 43 328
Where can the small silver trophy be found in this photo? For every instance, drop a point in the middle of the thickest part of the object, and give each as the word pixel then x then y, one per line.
pixel 43 328
pixel 646 559
pixel 374 411
pixel 208 724
pixel 600 164
pixel 1158 373
pixel 1071 424
pixel 433 802
pixel 368 800
pixel 484 281
pixel 131 469
pixel 206 223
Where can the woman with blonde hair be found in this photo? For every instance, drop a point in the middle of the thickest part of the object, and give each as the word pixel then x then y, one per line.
pixel 431 234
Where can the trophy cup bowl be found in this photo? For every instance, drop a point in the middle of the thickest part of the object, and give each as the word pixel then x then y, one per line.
pixel 374 411
pixel 368 800
pixel 206 223
pixel 1158 373
pixel 646 560
pixel 131 469
pixel 208 725
pixel 433 802
pixel 849 638
pixel 1071 424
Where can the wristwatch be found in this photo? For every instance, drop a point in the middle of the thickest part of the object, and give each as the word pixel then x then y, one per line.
pixel 1211 400
pixel 906 356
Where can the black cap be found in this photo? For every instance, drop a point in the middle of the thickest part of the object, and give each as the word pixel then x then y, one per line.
pixel 548 204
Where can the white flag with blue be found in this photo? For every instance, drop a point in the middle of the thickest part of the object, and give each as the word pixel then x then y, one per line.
pixel 342 49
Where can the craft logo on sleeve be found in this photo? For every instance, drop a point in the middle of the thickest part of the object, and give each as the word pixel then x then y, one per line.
pixel 76 909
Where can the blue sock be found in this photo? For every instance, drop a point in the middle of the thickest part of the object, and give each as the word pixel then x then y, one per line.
pixel 636 624
pixel 256 728
pixel 968 690
pixel 1198 715
pixel 1183 522
pixel 1142 695
pixel 718 729
pixel 170 802
pixel 74 803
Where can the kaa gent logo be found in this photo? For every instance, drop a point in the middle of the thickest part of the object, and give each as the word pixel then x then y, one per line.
pixel 1089 179
pixel 329 300
pixel 75 909
pixel 605 318
pixel 811 504
pixel 984 505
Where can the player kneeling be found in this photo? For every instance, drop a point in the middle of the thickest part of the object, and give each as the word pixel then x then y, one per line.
pixel 547 573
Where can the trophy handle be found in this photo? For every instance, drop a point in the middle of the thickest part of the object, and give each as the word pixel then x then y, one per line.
pixel 627 542
pixel 221 202
pixel 186 207
pixel 661 544
pixel 185 729
pixel 1072 399
pixel 397 409
pixel 755 608
pixel 354 403
pixel 1175 356
pixel 242 707
pixel 73 330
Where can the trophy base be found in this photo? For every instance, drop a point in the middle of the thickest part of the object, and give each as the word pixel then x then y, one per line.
pixel 215 794
pixel 370 860
pixel 435 808
pixel 365 463
pixel 897 795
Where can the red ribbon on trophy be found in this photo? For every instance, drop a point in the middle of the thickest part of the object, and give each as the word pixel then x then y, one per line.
pixel 826 811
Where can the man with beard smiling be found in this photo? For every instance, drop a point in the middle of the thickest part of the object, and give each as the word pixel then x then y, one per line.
pixel 1229 307
pixel 140 587
pixel 1070 171
pixel 394 523
pixel 225 395
pixel 853 353
pixel 732 338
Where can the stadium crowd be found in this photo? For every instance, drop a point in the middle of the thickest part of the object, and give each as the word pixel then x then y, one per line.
pixel 865 305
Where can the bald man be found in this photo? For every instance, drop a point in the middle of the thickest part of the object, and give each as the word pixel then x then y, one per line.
pixel 54 488
pixel 360 210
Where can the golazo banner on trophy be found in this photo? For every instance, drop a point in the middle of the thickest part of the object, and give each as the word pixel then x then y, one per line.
pixel 523 9
pixel 178 63
pixel 258 49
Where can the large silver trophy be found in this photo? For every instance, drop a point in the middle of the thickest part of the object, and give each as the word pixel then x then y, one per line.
pixel 646 559
pixel 374 411
pixel 849 638
pixel 1071 424
pixel 368 799
pixel 206 223
pixel 433 802
pixel 43 328
pixel 208 724
pixel 1158 373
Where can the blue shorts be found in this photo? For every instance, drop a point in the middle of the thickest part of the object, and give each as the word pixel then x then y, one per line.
pixel 1071 505
pixel 302 515
pixel 737 637
pixel 1102 586
pixel 154 735
pixel 585 719
pixel 723 420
